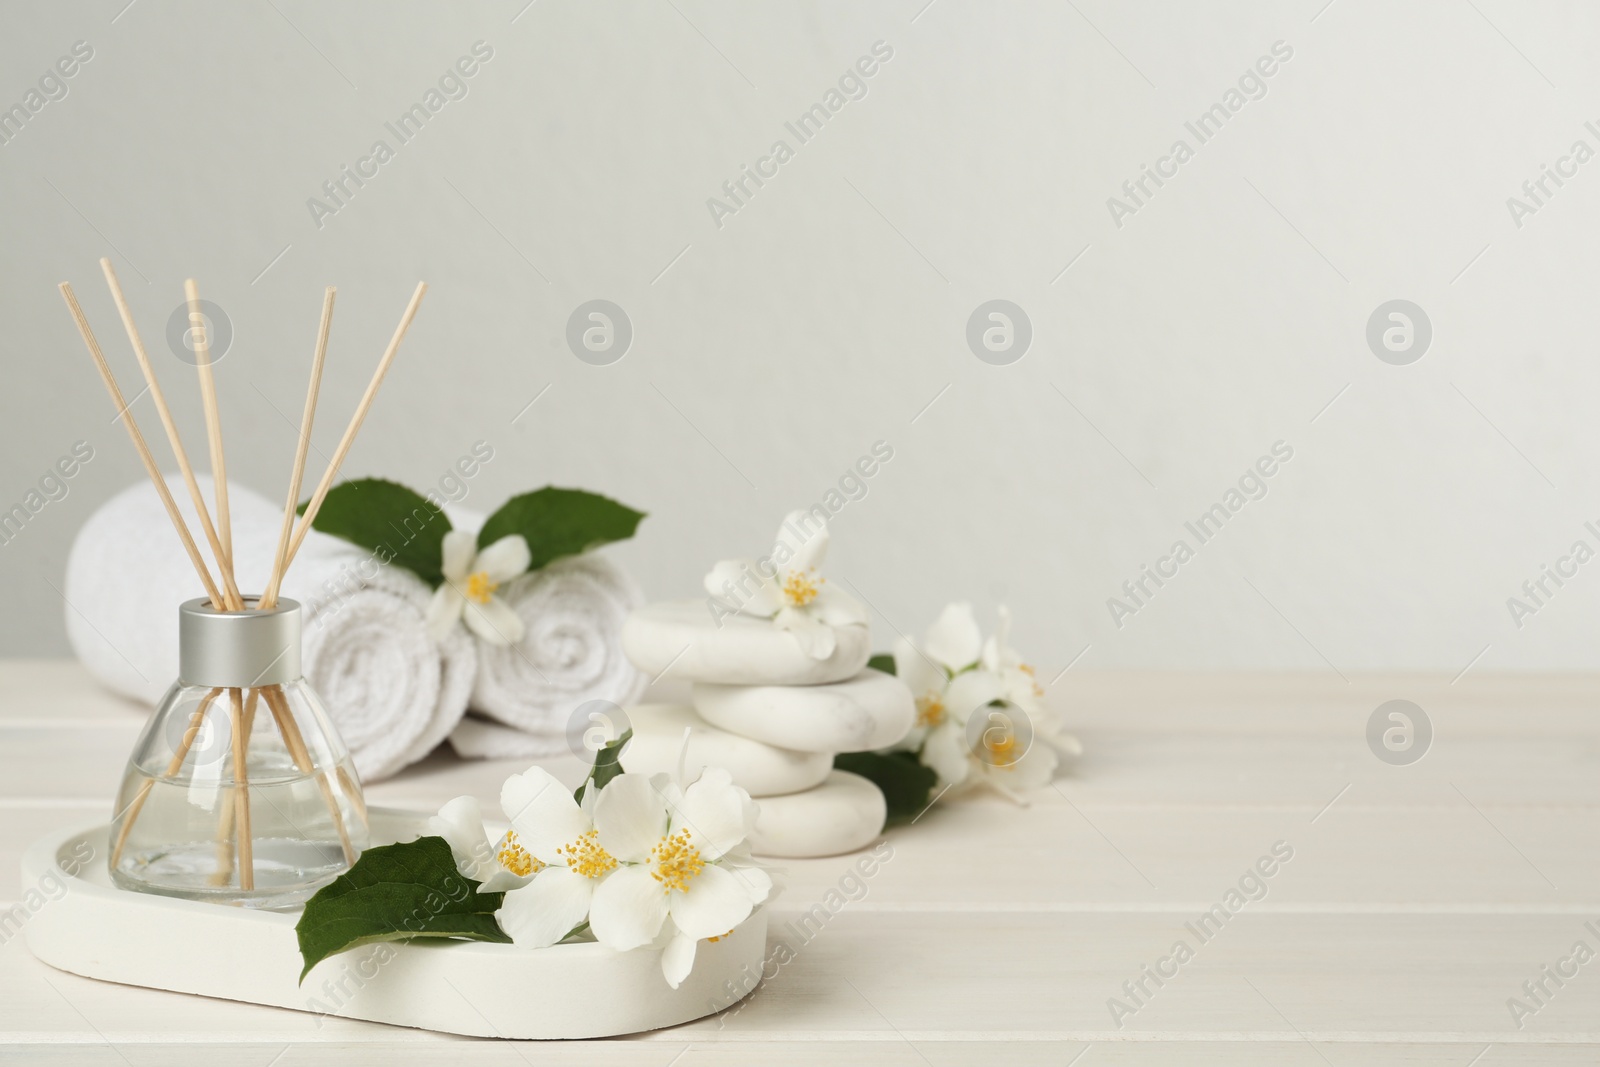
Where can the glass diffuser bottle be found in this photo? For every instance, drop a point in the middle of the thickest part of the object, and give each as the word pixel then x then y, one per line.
pixel 239 790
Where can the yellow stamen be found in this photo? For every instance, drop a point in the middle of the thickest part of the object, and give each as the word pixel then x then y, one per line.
pixel 516 859
pixel 480 587
pixel 585 856
pixel 930 710
pixel 1001 746
pixel 675 862
pixel 801 588
pixel 1027 669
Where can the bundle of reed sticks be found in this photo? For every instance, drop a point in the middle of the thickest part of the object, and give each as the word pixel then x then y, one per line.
pixel 235 817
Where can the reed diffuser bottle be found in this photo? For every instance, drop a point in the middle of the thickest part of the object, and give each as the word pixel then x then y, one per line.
pixel 239 790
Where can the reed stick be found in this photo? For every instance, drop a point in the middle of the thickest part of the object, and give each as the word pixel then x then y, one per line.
pixel 280 562
pixel 224 844
pixel 224 870
pixel 180 754
pixel 231 599
pixel 250 712
pixel 208 402
pixel 353 792
pixel 355 424
pixel 126 414
pixel 284 716
pixel 244 847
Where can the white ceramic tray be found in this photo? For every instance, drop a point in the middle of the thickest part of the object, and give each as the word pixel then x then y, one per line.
pixel 460 987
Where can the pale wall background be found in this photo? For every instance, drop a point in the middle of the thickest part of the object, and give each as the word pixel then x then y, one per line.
pixel 770 353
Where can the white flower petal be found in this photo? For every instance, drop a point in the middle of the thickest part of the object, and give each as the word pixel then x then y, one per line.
pixel 444 609
pixel 1064 744
pixel 501 880
pixel 806 538
pixel 460 823
pixel 713 904
pixel 544 911
pixel 996 746
pixel 677 959
pixel 1019 687
pixel 838 608
pixel 995 736
pixel 628 909
pixel 739 856
pixel 671 792
pixel 816 637
pixel 739 584
pixel 946 752
pixel 795 525
pixel 1036 767
pixel 457 551
pixel 717 813
pixel 968 692
pixel 756 881
pixel 918 671
pixel 996 654
pixel 1001 786
pixel 954 638
pixel 494 621
pixel 505 559
pixel 542 812
pixel 631 816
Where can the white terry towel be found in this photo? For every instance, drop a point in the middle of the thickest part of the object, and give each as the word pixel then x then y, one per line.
pixel 570 653
pixel 392 690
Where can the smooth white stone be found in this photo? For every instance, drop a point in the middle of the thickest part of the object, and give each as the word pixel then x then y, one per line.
pixel 843 814
pixel 761 770
pixel 681 635
pixel 871 710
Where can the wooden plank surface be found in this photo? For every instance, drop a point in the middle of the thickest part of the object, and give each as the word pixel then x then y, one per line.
pixel 1417 901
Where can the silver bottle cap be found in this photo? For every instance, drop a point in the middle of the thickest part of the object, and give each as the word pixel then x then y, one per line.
pixel 238 649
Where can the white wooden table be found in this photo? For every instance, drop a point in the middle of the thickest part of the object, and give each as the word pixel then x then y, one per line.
pixel 1419 898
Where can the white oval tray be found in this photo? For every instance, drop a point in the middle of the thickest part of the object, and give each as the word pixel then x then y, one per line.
pixel 459 987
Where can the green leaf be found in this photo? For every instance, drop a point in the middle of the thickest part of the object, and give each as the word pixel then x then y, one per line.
pixel 560 522
pixel 396 523
pixel 395 893
pixel 607 764
pixel 904 781
pixel 882 662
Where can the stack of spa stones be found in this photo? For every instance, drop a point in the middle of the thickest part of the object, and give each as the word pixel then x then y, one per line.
pixel 773 717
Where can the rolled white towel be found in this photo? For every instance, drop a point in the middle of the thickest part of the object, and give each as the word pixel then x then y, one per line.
pixel 570 654
pixel 478 738
pixel 393 691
